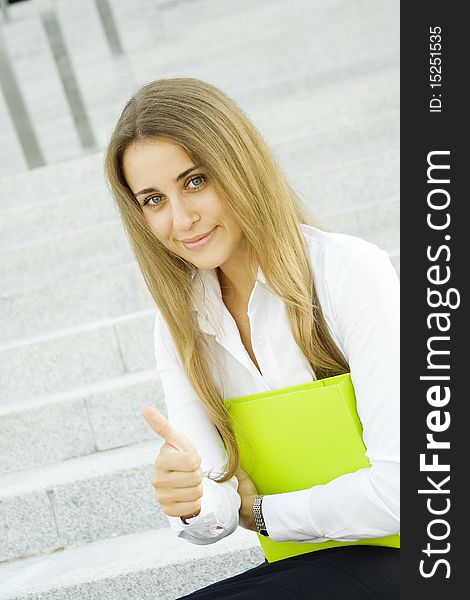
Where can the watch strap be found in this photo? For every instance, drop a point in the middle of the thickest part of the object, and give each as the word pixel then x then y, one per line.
pixel 258 515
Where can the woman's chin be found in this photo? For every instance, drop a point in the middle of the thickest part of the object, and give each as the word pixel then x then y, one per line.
pixel 211 262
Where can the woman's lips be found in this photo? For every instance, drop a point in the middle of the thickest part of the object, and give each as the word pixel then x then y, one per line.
pixel 200 243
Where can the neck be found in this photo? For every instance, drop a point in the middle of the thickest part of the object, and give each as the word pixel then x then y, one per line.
pixel 236 281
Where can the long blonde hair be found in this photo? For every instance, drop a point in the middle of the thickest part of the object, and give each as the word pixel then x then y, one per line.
pixel 216 133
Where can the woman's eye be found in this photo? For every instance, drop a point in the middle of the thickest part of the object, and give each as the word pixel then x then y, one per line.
pixel 198 181
pixel 202 178
pixel 147 201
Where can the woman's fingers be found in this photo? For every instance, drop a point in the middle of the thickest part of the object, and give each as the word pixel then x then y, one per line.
pixel 177 475
pixel 189 494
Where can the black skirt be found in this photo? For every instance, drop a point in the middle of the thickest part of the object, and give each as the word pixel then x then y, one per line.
pixel 342 573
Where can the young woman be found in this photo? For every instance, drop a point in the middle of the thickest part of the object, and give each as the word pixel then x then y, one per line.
pixel 253 295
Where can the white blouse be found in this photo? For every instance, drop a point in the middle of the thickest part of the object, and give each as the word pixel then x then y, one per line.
pixel 358 290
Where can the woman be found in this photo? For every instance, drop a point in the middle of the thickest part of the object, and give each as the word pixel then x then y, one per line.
pixel 252 295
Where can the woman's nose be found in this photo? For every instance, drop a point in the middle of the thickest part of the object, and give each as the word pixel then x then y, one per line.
pixel 183 215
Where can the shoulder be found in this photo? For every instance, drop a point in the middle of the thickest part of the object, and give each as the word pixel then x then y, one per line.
pixel 334 254
pixel 349 269
pixel 336 247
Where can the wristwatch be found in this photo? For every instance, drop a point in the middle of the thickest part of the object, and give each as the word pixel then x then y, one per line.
pixel 259 520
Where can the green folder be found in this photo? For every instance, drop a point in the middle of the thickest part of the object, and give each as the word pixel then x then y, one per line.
pixel 297 437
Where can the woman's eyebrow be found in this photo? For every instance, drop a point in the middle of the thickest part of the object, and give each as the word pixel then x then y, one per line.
pixel 180 176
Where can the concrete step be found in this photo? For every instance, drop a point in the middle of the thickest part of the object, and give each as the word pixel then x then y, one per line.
pixel 78 501
pixel 52 182
pixel 121 289
pixel 140 566
pixel 52 218
pixel 333 147
pixel 137 27
pixel 237 55
pixel 87 419
pixel 74 302
pixel 28 266
pixel 356 182
pixel 340 103
pixel 377 223
pixel 77 357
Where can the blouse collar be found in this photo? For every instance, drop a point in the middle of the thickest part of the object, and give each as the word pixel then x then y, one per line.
pixel 207 298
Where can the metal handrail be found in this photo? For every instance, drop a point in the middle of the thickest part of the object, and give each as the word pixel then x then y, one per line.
pixel 4 7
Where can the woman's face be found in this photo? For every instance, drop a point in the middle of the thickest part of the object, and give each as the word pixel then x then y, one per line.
pixel 179 202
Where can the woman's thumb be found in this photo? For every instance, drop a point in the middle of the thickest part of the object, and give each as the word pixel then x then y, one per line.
pixel 163 428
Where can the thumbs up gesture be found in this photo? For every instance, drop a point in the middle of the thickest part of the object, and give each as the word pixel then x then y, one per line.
pixel 177 474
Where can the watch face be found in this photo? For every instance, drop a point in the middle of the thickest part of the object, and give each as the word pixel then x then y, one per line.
pixel 263 532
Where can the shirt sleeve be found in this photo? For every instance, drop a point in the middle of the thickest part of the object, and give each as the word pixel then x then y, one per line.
pixel 365 503
pixel 220 502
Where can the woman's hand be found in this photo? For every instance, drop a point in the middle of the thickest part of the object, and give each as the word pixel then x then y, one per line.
pixel 177 475
pixel 247 491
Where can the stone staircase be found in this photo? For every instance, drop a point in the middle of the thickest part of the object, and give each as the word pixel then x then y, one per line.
pixel 78 517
